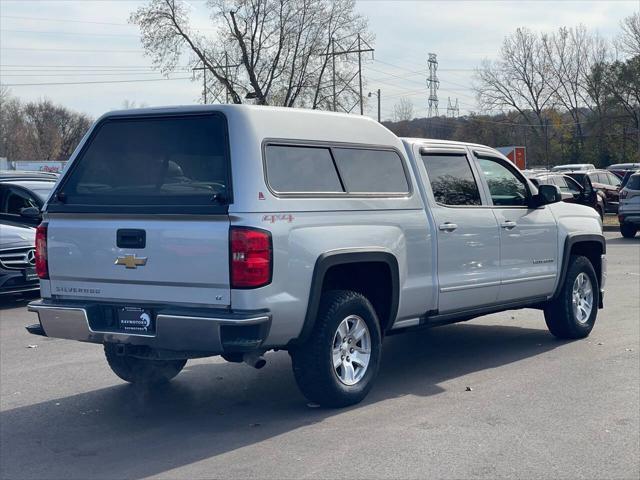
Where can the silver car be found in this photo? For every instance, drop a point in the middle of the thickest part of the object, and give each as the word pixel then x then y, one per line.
pixel 629 210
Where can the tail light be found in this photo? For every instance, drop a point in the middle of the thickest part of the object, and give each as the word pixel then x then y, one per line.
pixel 42 265
pixel 251 257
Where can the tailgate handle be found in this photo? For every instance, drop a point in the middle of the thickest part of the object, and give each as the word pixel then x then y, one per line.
pixel 131 238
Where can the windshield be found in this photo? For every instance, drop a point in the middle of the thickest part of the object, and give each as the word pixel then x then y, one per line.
pixel 152 161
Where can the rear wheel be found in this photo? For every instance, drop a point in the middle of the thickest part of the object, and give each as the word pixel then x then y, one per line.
pixel 140 370
pixel 628 230
pixel 337 365
pixel 573 313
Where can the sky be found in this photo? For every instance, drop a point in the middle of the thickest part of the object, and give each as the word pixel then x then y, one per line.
pixel 55 49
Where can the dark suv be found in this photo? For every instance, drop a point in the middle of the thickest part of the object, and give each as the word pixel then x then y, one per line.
pixel 604 182
pixel 571 190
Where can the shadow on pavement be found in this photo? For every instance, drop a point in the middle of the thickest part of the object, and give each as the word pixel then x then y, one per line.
pixel 210 409
pixel 17 300
pixel 623 241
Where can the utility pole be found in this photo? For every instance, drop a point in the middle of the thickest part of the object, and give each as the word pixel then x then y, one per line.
pixel 378 94
pixel 358 46
pixel 433 83
pixel 333 59
pixel 226 75
pixel 360 74
pixel 204 69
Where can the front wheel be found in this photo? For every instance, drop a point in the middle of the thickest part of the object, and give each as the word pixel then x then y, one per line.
pixel 140 370
pixel 337 365
pixel 627 230
pixel 573 313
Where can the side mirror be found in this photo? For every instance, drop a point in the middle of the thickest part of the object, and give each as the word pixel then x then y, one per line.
pixel 547 194
pixel 30 212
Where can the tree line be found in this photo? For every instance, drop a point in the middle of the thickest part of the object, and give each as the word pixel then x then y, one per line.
pixel 38 130
pixel 569 97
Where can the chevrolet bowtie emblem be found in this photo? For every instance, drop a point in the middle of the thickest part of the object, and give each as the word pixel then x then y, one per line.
pixel 131 261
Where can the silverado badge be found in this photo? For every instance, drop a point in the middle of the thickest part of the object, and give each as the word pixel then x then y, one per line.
pixel 131 261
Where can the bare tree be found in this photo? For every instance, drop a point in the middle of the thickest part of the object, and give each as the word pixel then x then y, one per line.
pixel 403 110
pixel 623 83
pixel 629 39
pixel 39 130
pixel 520 79
pixel 271 51
pixel 567 50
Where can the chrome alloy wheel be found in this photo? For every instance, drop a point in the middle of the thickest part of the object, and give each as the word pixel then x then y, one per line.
pixel 582 298
pixel 351 350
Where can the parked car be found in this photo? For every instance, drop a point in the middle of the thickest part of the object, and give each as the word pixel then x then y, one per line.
pixel 573 166
pixel 571 190
pixel 602 181
pixel 22 198
pixel 232 230
pixel 17 259
pixel 621 168
pixel 26 175
pixel 629 211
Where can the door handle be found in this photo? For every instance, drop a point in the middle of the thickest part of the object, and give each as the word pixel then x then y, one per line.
pixel 447 227
pixel 509 225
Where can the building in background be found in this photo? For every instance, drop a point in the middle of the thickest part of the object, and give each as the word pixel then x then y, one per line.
pixel 518 155
pixel 32 165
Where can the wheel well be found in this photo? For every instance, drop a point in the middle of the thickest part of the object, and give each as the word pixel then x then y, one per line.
pixel 371 279
pixel 593 251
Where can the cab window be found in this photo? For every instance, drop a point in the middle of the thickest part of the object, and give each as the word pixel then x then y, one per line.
pixel 505 187
pixel 452 180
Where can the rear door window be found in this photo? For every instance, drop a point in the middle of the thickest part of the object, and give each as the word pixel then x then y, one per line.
pixel 613 179
pixel 634 182
pixel 452 180
pixel 153 161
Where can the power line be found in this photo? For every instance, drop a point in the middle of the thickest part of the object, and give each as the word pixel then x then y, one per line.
pixel 92 34
pixel 69 50
pixel 43 19
pixel 97 82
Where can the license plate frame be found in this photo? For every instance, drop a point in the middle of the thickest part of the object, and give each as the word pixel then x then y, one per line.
pixel 136 320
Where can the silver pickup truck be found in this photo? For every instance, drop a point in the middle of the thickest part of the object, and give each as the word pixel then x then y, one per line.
pixel 180 233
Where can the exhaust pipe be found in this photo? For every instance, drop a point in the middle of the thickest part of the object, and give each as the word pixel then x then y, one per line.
pixel 254 359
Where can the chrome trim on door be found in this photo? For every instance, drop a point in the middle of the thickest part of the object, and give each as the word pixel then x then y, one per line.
pixel 465 287
pixel 528 279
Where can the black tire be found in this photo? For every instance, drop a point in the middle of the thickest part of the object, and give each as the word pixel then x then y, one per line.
pixel 627 230
pixel 312 361
pixel 600 211
pixel 559 314
pixel 142 371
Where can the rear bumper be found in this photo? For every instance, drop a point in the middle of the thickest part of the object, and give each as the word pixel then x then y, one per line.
pixel 14 281
pixel 196 331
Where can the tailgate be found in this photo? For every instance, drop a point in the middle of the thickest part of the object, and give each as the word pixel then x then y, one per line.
pixel 183 261
pixel 140 215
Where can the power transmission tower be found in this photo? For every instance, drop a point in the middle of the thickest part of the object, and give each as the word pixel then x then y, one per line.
pixel 359 46
pixel 204 69
pixel 433 83
pixel 453 110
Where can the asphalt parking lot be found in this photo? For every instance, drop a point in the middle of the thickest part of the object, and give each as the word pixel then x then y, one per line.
pixel 537 407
